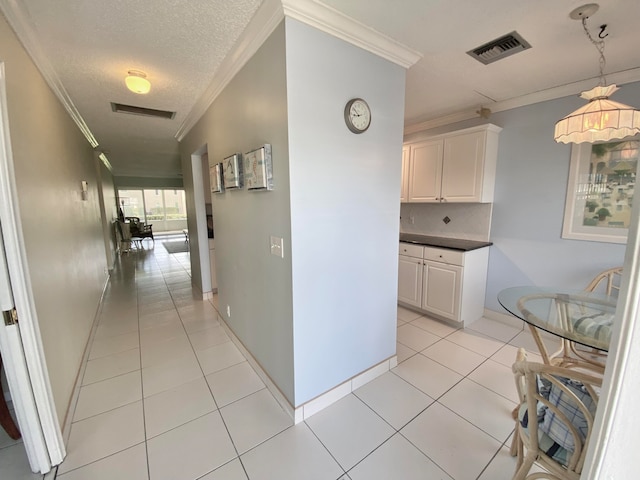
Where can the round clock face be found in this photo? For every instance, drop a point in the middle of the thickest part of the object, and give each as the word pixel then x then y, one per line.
pixel 357 115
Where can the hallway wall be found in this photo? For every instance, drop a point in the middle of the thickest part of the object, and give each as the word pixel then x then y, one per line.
pixel 63 234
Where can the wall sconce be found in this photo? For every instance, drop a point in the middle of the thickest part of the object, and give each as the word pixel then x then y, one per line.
pixel 84 192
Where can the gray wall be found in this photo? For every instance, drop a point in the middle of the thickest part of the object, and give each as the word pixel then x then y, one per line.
pixel 327 310
pixel 251 111
pixel 344 208
pixel 63 235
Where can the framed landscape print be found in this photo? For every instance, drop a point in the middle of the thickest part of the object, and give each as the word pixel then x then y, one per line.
pixel 258 173
pixel 232 167
pixel 215 176
pixel 602 179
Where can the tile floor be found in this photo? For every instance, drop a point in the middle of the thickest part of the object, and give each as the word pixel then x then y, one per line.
pixel 166 395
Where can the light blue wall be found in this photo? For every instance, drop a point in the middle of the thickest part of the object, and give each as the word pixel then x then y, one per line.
pixel 531 187
pixel 344 208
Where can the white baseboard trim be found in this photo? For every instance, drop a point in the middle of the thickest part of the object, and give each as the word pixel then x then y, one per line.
pixel 304 411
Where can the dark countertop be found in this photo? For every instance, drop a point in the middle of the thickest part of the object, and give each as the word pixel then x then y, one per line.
pixel 443 242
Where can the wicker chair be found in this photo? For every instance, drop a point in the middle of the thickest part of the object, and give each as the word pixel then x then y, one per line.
pixel 139 231
pixel 559 441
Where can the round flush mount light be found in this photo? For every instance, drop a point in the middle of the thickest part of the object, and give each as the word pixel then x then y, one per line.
pixel 137 82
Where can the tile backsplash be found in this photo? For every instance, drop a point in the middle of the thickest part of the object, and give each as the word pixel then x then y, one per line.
pixel 469 221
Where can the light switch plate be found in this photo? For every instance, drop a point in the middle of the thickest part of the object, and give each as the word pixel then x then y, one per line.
pixel 276 247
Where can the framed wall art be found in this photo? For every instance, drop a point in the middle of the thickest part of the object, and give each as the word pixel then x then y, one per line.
pixel 215 176
pixel 232 167
pixel 602 179
pixel 258 174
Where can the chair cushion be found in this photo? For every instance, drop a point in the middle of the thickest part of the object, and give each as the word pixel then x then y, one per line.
pixel 554 427
pixel 598 326
pixel 551 448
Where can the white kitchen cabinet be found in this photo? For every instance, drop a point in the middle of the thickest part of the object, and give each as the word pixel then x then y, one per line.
pixel 447 283
pixel 454 167
pixel 410 270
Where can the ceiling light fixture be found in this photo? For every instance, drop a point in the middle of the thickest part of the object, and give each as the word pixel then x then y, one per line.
pixel 601 119
pixel 137 82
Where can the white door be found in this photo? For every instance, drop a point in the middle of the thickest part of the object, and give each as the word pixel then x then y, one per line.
pixel 26 375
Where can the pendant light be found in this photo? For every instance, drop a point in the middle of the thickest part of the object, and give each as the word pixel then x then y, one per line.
pixel 601 119
pixel 137 82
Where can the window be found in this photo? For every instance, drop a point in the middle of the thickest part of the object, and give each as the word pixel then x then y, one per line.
pixel 153 205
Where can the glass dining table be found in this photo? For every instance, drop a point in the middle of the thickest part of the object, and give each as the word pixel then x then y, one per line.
pixel 576 317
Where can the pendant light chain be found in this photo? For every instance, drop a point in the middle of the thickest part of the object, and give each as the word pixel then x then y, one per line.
pixel 599 44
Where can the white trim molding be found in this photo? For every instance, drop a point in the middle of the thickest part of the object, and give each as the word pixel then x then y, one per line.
pixel 19 20
pixel 311 12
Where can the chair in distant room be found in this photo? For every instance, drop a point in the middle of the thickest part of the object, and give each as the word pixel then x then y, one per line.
pixel 123 236
pixel 139 231
pixel 554 418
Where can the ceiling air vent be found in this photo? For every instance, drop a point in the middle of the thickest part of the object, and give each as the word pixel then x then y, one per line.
pixel 499 48
pixel 147 112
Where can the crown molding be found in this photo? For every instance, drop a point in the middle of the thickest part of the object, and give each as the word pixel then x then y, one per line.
pixel 19 20
pixel 337 24
pixel 313 13
pixel 619 78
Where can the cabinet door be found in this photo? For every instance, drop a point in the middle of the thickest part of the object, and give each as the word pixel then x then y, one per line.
pixel 462 167
pixel 425 172
pixel 404 189
pixel 441 289
pixel 410 280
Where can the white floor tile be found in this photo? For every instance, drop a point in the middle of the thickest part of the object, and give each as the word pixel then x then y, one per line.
pixel 191 450
pixel 476 342
pixel 395 400
pixel 453 356
pixel 234 383
pixel 526 341
pixel 496 377
pixel 437 327
pixel 488 411
pixel 218 357
pixel 156 307
pixel 459 448
pixel 177 406
pixel 208 337
pixel 130 464
pixel 254 419
pixel 111 366
pixel 157 319
pixel 107 395
pixel 403 352
pixel 397 459
pixel 102 347
pixel 415 338
pixel 165 352
pixel 103 435
pixel 158 378
pixel 15 465
pixel 407 315
pixel 230 471
pixel 114 329
pixel 502 467
pixel 350 430
pixel 6 440
pixel 162 333
pixel 495 329
pixel 294 454
pixel 427 375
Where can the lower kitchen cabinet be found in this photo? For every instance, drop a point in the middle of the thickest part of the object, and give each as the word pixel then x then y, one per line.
pixel 449 284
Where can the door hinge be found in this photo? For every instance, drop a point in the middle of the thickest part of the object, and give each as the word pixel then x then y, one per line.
pixel 10 317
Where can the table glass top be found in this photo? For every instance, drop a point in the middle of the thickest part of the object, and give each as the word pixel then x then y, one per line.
pixel 582 317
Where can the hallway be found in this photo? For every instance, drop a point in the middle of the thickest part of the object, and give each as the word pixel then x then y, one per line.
pixel 167 396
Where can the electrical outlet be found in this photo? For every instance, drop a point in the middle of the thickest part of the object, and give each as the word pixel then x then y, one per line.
pixel 228 311
pixel 277 247
pixel 412 219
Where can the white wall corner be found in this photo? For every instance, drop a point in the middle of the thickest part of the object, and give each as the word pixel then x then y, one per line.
pixel 337 24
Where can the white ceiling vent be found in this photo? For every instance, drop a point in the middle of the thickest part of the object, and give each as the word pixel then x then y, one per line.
pixel 147 112
pixel 499 48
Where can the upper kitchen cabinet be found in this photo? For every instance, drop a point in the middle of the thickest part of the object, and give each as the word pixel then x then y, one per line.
pixel 454 167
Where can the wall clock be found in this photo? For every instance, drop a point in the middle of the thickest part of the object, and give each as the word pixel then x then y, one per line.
pixel 357 115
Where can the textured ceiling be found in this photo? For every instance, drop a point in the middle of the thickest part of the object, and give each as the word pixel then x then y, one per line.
pixel 181 43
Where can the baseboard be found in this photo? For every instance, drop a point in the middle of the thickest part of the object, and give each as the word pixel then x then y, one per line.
pixel 304 411
pixel 505 318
